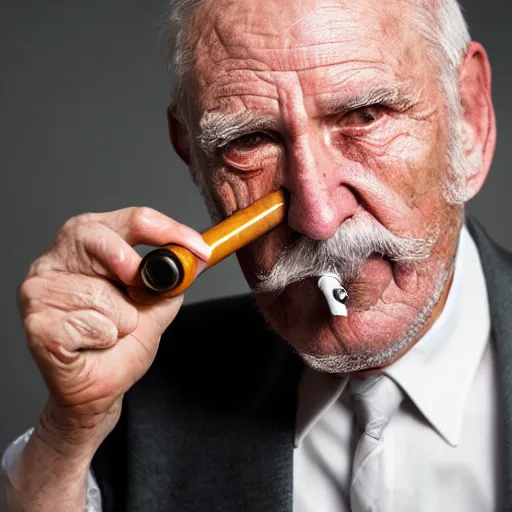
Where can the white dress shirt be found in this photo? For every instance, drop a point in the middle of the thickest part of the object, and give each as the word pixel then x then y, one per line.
pixel 440 448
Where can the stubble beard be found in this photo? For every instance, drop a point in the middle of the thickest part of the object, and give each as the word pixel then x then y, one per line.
pixel 357 361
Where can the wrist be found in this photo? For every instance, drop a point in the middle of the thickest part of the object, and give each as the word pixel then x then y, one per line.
pixel 72 435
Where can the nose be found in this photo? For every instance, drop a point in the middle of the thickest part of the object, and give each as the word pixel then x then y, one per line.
pixel 320 200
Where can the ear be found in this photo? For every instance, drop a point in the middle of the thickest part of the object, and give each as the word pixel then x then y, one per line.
pixel 178 136
pixel 479 121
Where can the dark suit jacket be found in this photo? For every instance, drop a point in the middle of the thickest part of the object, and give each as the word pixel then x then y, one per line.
pixel 210 427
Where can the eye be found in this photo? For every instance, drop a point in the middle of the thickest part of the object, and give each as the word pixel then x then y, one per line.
pixel 251 152
pixel 246 142
pixel 361 117
pixel 251 140
pixel 248 147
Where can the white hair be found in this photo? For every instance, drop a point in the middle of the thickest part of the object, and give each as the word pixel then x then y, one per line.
pixel 355 240
pixel 440 22
pixel 443 27
pixel 179 58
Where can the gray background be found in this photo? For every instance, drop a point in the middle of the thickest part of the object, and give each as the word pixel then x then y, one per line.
pixel 83 92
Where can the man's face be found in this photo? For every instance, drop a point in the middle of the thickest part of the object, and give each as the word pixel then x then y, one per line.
pixel 339 103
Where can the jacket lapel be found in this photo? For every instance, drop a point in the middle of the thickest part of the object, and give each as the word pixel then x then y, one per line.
pixel 225 441
pixel 497 265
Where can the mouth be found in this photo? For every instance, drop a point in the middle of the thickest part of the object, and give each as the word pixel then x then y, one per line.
pixel 334 294
pixel 364 287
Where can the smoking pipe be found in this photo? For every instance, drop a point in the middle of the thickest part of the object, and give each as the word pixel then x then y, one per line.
pixel 171 269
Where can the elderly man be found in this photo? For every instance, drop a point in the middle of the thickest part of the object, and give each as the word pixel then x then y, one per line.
pixel 376 117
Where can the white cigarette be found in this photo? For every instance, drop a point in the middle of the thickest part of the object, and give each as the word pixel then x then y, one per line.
pixel 332 288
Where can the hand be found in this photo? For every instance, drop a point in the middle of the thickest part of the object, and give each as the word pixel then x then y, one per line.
pixel 91 330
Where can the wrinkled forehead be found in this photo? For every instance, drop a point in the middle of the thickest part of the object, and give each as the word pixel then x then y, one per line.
pixel 236 37
pixel 283 23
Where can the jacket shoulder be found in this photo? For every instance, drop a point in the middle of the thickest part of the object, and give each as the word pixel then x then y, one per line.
pixel 496 260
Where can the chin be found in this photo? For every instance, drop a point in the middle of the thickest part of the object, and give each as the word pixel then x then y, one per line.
pixel 388 306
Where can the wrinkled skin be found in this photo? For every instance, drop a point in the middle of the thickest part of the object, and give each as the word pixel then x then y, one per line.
pixel 296 65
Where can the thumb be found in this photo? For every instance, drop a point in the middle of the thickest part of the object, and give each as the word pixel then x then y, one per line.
pixel 158 316
pixel 155 309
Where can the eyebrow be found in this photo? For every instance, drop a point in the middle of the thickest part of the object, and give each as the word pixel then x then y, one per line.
pixel 217 129
pixel 395 97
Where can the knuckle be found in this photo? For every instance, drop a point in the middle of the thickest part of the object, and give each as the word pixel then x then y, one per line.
pixel 42 335
pixel 75 225
pixel 98 240
pixel 94 295
pixel 83 230
pixel 83 218
pixel 34 324
pixel 68 226
pixel 67 243
pixel 25 289
pixel 141 217
pixel 28 291
pixel 76 249
pixel 93 327
pixel 38 267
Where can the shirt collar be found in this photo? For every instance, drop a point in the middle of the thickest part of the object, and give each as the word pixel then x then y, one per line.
pixel 317 392
pixel 438 371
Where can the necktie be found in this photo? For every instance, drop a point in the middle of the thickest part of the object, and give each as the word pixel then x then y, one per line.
pixel 375 399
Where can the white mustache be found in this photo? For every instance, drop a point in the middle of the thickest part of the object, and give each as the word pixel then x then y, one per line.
pixel 355 241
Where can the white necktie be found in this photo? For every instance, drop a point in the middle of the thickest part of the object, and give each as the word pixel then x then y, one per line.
pixel 376 399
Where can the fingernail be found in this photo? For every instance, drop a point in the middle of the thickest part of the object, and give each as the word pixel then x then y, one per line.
pixel 199 246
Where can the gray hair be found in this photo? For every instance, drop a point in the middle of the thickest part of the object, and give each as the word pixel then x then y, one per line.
pixel 355 240
pixel 440 22
pixel 443 27
pixel 179 58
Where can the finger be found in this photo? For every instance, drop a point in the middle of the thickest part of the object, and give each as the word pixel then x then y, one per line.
pixel 142 297
pixel 56 335
pixel 70 292
pixel 91 249
pixel 157 317
pixel 143 225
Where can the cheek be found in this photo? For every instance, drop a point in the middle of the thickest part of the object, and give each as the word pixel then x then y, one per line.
pixel 410 161
pixel 234 188
pixel 261 255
